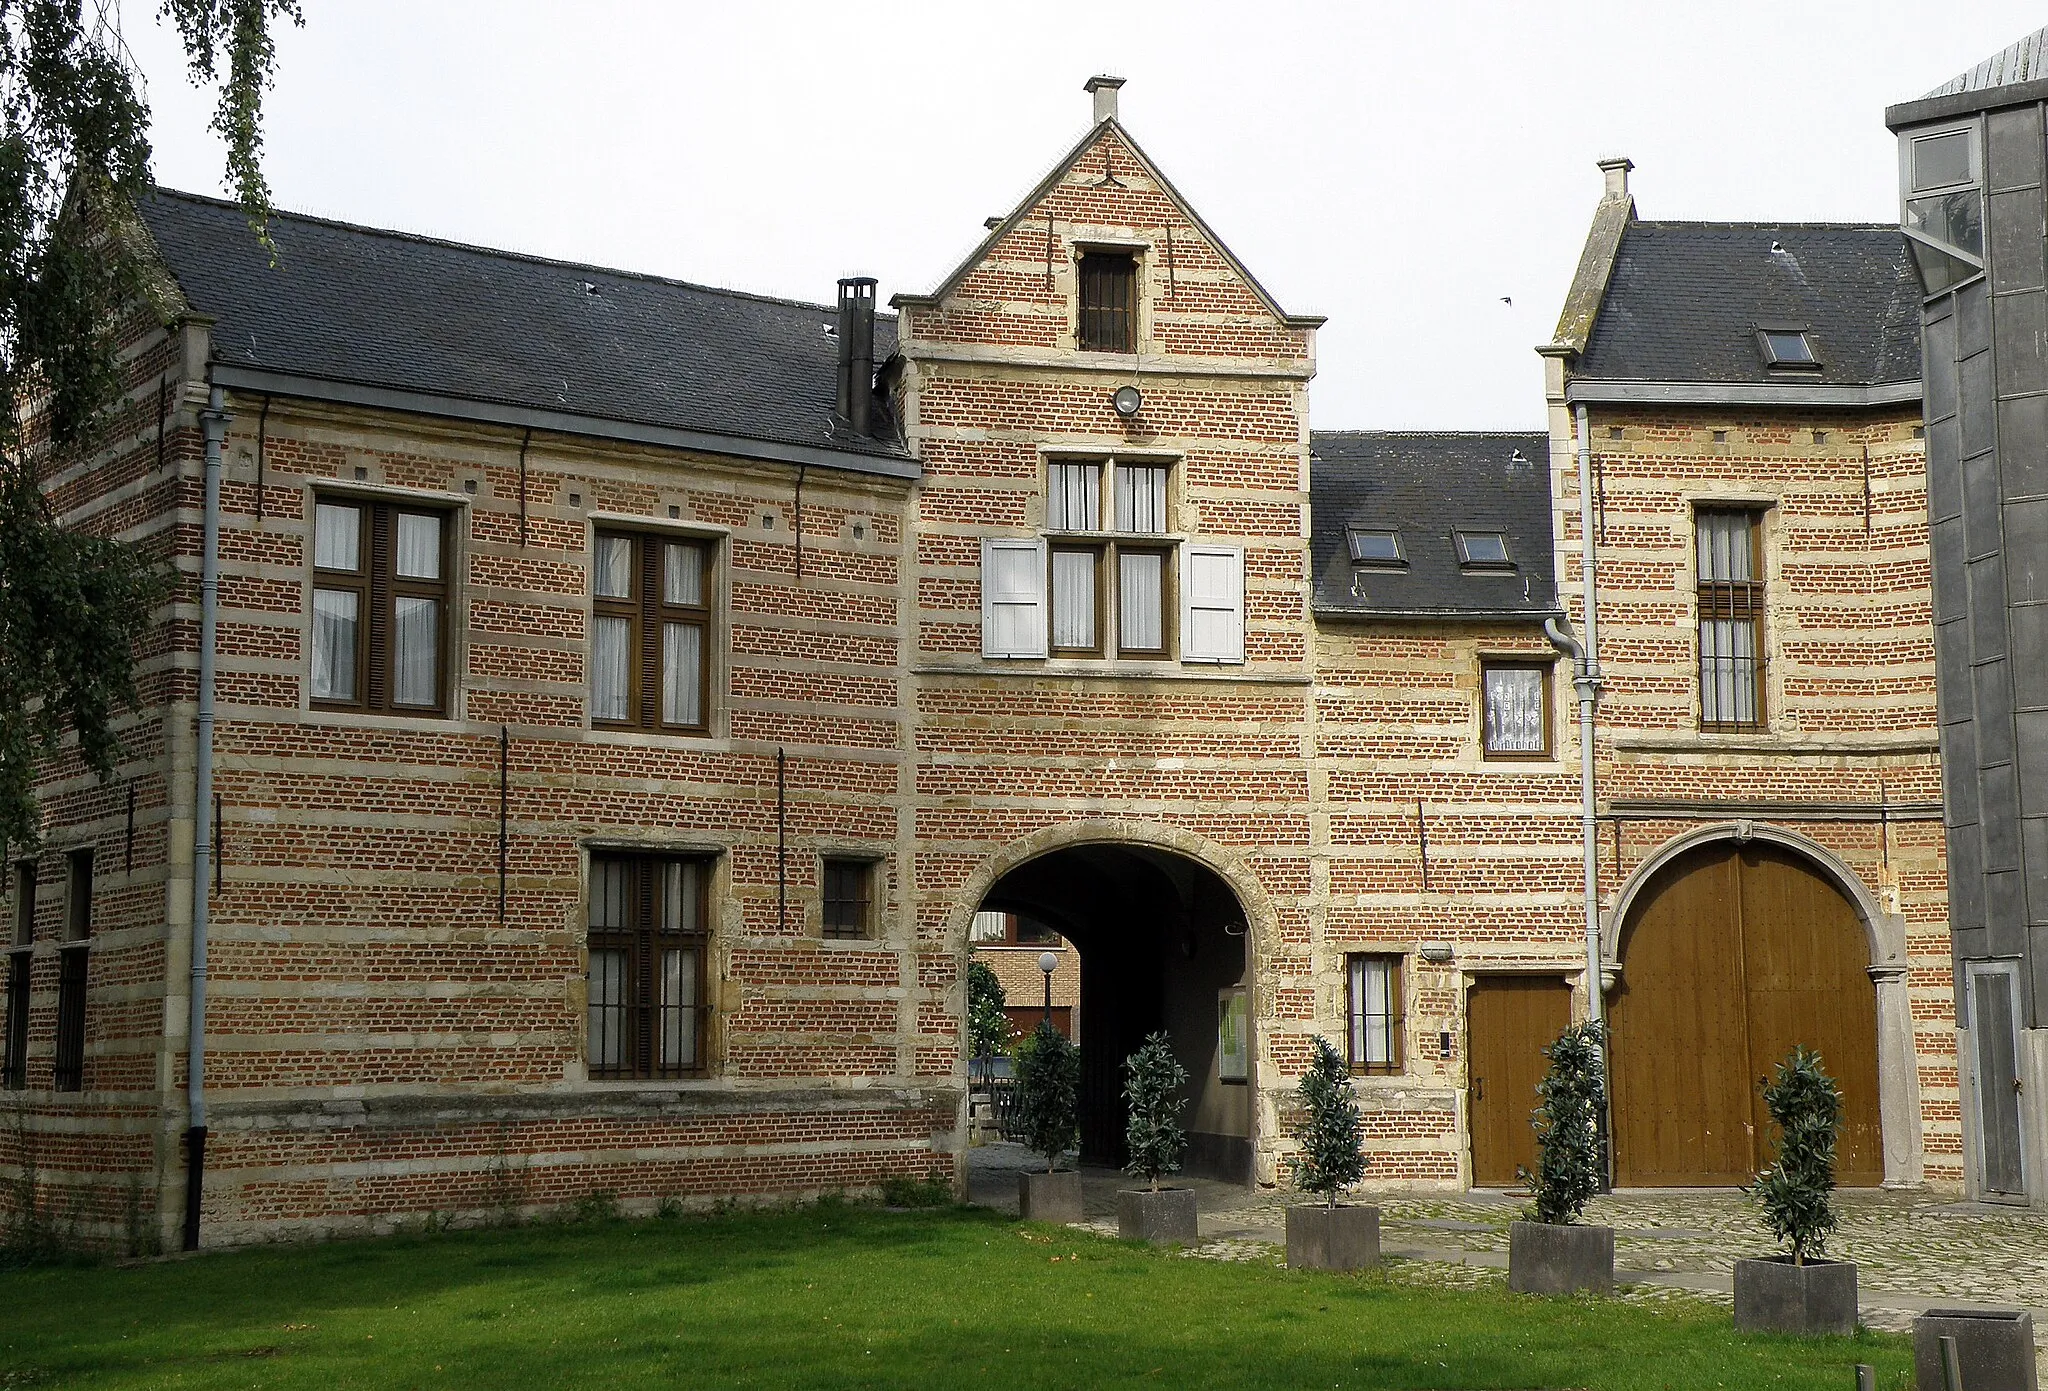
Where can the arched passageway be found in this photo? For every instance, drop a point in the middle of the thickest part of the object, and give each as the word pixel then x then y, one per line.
pixel 1163 945
pixel 1730 955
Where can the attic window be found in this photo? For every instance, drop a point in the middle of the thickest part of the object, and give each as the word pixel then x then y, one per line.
pixel 1373 547
pixel 1109 302
pixel 1786 347
pixel 1483 550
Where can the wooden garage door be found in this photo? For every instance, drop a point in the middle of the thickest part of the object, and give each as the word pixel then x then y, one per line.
pixel 1730 957
pixel 1509 1021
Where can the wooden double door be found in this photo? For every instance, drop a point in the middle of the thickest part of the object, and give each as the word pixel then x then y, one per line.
pixel 1732 955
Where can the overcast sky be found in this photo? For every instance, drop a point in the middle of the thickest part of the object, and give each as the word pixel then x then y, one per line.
pixel 1400 169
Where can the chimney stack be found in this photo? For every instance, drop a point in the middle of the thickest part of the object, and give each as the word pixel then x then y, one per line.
pixel 857 352
pixel 1616 169
pixel 1103 89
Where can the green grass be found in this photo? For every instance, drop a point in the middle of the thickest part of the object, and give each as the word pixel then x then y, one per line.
pixel 839 1296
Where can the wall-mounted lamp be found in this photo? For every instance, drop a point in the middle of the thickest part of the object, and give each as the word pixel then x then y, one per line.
pixel 1128 401
pixel 1437 952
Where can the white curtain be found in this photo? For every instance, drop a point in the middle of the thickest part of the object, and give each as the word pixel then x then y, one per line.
pixel 1726 552
pixel 1141 600
pixel 679 1008
pixel 1514 710
pixel 337 537
pixel 1073 497
pixel 1141 498
pixel 989 927
pixel 335 623
pixel 612 568
pixel 607 1008
pixel 1073 599
pixel 683 574
pixel 608 668
pixel 419 546
pixel 682 673
pixel 681 885
pixel 1372 1011
pixel 1728 671
pixel 416 651
pixel 610 883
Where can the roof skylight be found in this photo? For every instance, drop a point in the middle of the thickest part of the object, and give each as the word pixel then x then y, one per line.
pixel 1483 550
pixel 1374 546
pixel 1787 347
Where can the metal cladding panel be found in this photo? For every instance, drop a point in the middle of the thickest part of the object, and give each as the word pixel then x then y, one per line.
pixel 2023 447
pixel 2026 549
pixel 1992 704
pixel 2013 150
pixel 2028 625
pixel 1966 879
pixel 1980 505
pixel 1973 319
pixel 1952 672
pixel 1959 777
pixel 2020 341
pixel 2015 247
pixel 1998 794
pixel 2032 757
pixel 2005 913
pixel 1975 404
pixel 1939 379
pixel 1987 608
pixel 2034 862
pixel 1944 471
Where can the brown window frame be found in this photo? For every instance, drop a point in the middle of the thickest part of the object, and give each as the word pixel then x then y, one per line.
pixel 647 610
pixel 378 587
pixel 1489 665
pixel 20 963
pixel 642 940
pixel 1095 552
pixel 1106 301
pixel 1109 547
pixel 835 921
pixel 1732 601
pixel 1396 1020
pixel 68 1065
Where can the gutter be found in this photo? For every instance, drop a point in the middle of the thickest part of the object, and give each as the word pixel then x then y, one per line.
pixel 1581 390
pixel 214 420
pixel 1439 615
pixel 258 380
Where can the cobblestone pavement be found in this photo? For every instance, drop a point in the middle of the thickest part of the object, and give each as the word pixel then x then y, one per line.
pixel 1913 1251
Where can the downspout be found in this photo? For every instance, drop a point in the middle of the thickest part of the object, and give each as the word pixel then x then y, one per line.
pixel 214 420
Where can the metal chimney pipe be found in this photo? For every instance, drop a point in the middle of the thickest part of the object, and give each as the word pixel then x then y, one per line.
pixel 857 352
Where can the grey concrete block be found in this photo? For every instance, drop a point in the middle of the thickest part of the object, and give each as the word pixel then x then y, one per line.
pixel 1339 1238
pixel 1054 1197
pixel 1164 1218
pixel 1772 1295
pixel 1547 1259
pixel 1995 1348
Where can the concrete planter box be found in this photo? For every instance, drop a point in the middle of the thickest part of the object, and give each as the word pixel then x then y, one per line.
pixel 1054 1197
pixel 1320 1237
pixel 1772 1295
pixel 1995 1347
pixel 1165 1218
pixel 1548 1259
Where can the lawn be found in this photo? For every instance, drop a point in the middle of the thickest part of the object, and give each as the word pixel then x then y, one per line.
pixel 841 1296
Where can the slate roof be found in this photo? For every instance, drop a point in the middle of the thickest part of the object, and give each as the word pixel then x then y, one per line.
pixel 392 310
pixel 1686 298
pixel 1426 486
pixel 2025 61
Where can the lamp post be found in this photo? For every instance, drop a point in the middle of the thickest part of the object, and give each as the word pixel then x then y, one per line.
pixel 1048 963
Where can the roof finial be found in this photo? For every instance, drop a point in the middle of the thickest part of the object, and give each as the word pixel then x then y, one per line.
pixel 1103 89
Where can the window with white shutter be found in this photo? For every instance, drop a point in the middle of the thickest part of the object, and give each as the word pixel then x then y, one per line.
pixel 1212 603
pixel 1013 574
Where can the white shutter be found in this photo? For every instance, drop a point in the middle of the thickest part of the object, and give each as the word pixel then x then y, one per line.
pixel 1012 597
pixel 1212 603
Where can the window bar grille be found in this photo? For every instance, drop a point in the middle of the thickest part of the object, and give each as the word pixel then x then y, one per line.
pixel 68 1072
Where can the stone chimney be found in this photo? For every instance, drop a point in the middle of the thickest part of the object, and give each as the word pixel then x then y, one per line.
pixel 1616 169
pixel 1103 89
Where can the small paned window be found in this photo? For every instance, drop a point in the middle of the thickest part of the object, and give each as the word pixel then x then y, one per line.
pixel 380 607
pixel 1373 1013
pixel 1371 546
pixel 848 898
pixel 1076 600
pixel 1073 497
pixel 78 896
pixel 68 1073
pixel 1141 498
pixel 20 959
pixel 1109 302
pixel 649 948
pixel 1125 580
pixel 1787 347
pixel 1483 550
pixel 1730 588
pixel 25 903
pixel 994 929
pixel 649 634
pixel 1517 709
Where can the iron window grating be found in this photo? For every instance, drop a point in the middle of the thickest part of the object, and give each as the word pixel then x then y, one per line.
pixel 847 901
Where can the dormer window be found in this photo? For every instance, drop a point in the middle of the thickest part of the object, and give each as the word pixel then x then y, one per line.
pixel 1483 550
pixel 1374 547
pixel 1109 302
pixel 1787 347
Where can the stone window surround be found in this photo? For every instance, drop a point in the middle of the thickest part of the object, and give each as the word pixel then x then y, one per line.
pixel 1771 692
pixel 718 599
pixel 1140 250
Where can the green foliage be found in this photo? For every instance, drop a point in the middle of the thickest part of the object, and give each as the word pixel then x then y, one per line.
pixel 74 155
pixel 988 1028
pixel 1569 1165
pixel 1329 1129
pixel 1797 1192
pixel 899 1191
pixel 1049 1092
pixel 1153 1078
pixel 599 1206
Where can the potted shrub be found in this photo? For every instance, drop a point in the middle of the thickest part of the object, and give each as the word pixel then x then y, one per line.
pixel 1799 1291
pixel 1551 1251
pixel 1049 1112
pixel 1329 1235
pixel 1153 1078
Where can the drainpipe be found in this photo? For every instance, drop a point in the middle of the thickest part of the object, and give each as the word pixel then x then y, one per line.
pixel 214 420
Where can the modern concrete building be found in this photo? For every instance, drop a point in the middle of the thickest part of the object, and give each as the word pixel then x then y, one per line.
pixel 1971 204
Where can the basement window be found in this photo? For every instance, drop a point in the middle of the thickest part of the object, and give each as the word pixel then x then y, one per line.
pixel 1370 546
pixel 1787 347
pixel 1483 550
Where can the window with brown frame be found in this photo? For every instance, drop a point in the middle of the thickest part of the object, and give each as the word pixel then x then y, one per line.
pixel 1081 574
pixel 1373 1012
pixel 1109 302
pixel 1730 586
pixel 69 1072
pixel 380 606
pixel 20 959
pixel 847 908
pixel 650 632
pixel 1515 713
pixel 1076 600
pixel 649 954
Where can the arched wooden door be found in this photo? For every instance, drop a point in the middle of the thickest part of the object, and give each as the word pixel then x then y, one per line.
pixel 1730 956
